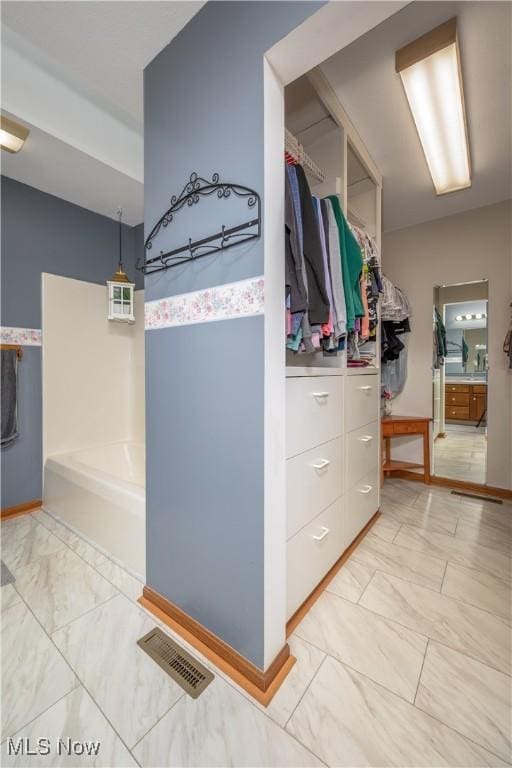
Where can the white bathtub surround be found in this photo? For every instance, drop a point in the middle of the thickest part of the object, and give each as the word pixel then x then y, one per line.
pixel 91 368
pixel 94 421
pixel 221 302
pixel 28 337
pixel 325 709
pixel 100 493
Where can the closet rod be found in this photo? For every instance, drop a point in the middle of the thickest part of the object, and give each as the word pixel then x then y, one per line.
pixel 296 150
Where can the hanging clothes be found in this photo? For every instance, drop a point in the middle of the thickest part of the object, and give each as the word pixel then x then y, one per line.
pixel 338 293
pixel 318 300
pixel 293 263
pixel 396 312
pixel 440 344
pixel 351 263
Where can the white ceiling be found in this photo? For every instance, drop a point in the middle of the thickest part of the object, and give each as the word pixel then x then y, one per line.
pixel 100 48
pixel 363 76
pixel 72 71
pixel 53 166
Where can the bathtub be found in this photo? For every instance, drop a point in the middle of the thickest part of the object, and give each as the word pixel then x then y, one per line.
pixel 100 492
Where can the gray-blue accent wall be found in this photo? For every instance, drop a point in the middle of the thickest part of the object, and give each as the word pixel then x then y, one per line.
pixel 204 112
pixel 42 233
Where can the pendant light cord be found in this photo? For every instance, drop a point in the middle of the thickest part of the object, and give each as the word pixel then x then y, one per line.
pixel 120 215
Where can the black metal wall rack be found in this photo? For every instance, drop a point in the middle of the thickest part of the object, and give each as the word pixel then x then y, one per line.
pixel 194 190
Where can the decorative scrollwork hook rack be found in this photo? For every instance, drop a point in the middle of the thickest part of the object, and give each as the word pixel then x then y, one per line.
pixel 194 190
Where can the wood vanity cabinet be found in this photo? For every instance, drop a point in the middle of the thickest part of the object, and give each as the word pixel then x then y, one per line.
pixel 465 402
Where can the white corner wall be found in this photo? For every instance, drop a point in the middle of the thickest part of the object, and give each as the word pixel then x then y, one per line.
pixel 469 246
pixel 93 369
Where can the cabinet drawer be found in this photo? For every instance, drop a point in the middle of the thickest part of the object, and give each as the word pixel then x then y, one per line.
pixel 314 480
pixel 479 389
pixel 456 388
pixel 361 401
pixel 457 412
pixel 314 411
pixel 311 552
pixel 410 427
pixel 362 452
pixel 361 504
pixel 457 398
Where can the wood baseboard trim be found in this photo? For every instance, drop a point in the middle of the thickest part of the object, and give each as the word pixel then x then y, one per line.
pixel 262 685
pixel 301 611
pixel 466 485
pixel 20 509
pixel 458 485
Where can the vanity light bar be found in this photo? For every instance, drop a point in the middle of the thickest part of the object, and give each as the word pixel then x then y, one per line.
pixel 477 316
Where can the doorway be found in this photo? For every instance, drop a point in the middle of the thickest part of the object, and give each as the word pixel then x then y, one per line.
pixel 460 377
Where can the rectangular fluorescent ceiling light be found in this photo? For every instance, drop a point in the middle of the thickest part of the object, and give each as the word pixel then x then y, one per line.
pixel 432 79
pixel 12 135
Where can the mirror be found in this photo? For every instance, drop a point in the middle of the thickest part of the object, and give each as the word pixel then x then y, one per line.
pixel 460 363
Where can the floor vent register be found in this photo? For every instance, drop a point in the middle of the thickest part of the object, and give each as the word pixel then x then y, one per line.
pixel 192 676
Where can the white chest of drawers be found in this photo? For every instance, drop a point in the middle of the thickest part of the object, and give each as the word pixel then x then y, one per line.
pixel 332 449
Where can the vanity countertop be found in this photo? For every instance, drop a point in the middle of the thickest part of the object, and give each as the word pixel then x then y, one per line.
pixel 480 382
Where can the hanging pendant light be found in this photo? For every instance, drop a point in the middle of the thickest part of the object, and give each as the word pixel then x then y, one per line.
pixel 120 288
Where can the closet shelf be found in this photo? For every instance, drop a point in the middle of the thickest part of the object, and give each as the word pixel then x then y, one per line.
pixel 294 148
pixel 304 370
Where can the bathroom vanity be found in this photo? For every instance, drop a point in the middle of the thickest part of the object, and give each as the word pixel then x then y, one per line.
pixel 465 400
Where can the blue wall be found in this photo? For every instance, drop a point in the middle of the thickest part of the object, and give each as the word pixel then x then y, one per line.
pixel 203 112
pixel 42 233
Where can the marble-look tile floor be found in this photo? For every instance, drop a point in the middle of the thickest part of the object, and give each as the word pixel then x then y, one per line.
pixel 461 454
pixel 405 660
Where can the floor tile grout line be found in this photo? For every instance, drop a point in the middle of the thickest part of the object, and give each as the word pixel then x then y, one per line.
pixel 357 671
pixel 82 684
pixel 442 581
pixel 40 714
pixel 468 656
pixel 463 735
pixel 421 671
pixel 403 578
pixel 263 710
pixel 304 692
pixel 437 592
pixel 398 696
pixel 414 631
pixel 182 695
pixel 86 613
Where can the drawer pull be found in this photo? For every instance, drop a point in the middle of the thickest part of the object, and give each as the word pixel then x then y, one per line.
pixel 365 438
pixel 321 395
pixel 322 464
pixel 366 387
pixel 324 533
pixel 365 489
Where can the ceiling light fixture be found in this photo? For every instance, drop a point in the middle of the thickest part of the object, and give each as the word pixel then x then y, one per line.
pixel 12 135
pixel 432 79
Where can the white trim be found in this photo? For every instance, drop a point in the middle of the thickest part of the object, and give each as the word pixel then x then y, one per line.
pixel 27 337
pixel 244 298
pixel 274 366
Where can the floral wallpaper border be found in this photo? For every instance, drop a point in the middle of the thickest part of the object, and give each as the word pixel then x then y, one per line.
pixel 221 302
pixel 28 337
